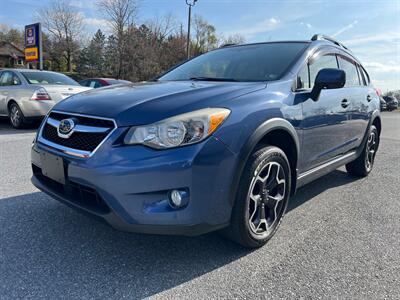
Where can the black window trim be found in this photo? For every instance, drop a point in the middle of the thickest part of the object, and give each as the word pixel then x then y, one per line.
pixel 317 54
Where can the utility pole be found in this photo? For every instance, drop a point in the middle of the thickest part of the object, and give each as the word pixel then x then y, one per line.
pixel 40 48
pixel 190 3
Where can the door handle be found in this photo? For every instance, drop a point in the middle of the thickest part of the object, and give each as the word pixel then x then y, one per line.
pixel 345 103
pixel 369 98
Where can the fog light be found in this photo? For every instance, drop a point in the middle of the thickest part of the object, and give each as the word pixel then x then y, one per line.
pixel 178 198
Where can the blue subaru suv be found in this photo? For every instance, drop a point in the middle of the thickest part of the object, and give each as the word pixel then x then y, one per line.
pixel 220 142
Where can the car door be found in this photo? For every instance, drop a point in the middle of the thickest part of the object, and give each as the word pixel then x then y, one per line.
pixel 3 92
pixel 358 99
pixel 325 121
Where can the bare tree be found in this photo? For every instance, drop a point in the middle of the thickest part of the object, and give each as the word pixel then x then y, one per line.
pixel 65 25
pixel 121 14
pixel 205 38
pixel 233 39
pixel 162 27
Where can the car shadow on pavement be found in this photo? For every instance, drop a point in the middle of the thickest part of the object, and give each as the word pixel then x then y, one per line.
pixel 6 128
pixel 49 250
pixel 331 180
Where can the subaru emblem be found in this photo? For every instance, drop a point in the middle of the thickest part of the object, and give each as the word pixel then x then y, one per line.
pixel 65 128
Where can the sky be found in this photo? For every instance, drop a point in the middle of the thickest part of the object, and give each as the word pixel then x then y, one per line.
pixel 371 29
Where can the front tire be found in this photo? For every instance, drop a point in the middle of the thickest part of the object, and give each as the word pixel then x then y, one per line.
pixel 16 116
pixel 363 165
pixel 262 198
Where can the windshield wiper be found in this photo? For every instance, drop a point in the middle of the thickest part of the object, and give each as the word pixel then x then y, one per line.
pixel 212 79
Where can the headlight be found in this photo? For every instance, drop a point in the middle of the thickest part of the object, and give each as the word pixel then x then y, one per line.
pixel 180 130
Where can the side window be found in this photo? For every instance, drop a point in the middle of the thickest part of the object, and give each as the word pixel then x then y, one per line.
pixel 366 76
pixel 361 75
pixel 322 62
pixel 6 79
pixel 351 71
pixel 303 80
pixel 15 79
pixel 94 84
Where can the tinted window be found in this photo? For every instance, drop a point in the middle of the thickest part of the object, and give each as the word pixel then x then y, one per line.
pixel 351 71
pixel 261 62
pixel 94 84
pixel 303 78
pixel 322 62
pixel 9 78
pixel 365 74
pixel 362 76
pixel 48 78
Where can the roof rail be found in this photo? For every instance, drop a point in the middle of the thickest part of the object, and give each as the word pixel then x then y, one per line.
pixel 318 37
pixel 228 45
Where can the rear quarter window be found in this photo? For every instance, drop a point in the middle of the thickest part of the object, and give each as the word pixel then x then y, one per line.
pixel 350 68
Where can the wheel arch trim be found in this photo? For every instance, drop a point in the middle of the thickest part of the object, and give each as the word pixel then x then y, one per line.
pixel 258 134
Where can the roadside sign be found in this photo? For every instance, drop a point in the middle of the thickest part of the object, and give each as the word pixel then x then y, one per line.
pixel 31 54
pixel 33 43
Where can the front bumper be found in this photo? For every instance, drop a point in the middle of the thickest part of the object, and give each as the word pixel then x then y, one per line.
pixel 128 186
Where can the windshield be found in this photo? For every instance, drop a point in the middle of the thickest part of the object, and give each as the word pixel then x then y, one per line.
pixel 258 62
pixel 48 78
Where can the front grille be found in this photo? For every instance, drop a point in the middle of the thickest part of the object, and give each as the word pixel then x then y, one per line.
pixel 83 141
pixel 78 140
pixel 79 194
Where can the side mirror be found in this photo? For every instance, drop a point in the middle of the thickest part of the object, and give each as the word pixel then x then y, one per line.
pixel 328 79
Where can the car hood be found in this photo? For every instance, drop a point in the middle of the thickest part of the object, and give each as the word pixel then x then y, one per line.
pixel 145 103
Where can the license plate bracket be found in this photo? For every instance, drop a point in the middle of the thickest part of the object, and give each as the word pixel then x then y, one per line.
pixel 52 167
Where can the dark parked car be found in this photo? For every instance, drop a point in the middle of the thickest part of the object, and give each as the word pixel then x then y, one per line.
pixel 383 104
pixel 391 102
pixel 219 142
pixel 100 82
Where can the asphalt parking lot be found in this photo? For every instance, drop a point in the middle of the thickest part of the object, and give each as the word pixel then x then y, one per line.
pixel 340 239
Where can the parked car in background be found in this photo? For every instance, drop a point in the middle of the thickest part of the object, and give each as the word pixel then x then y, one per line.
pixel 27 94
pixel 100 82
pixel 391 102
pixel 220 142
pixel 383 104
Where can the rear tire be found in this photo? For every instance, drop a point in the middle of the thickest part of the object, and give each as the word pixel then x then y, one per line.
pixel 363 165
pixel 262 198
pixel 16 116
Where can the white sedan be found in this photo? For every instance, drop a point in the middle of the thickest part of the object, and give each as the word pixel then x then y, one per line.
pixel 29 94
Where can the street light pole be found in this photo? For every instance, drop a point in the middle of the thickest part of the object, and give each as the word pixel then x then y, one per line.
pixel 190 3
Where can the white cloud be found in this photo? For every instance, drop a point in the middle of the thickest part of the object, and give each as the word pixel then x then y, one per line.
pixel 261 27
pixel 308 25
pixel 345 28
pixel 380 67
pixel 83 4
pixel 95 23
pixel 383 37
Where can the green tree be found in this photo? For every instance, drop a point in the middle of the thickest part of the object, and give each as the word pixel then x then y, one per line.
pixel 12 35
pixel 92 58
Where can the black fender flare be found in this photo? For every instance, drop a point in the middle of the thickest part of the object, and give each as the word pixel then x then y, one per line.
pixel 253 140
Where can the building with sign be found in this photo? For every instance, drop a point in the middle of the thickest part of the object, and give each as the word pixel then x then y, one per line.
pixel 11 56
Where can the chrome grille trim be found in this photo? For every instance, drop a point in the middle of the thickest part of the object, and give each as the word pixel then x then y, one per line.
pixel 78 127
pixel 71 151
